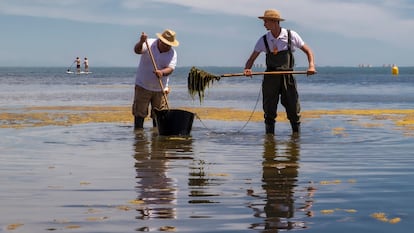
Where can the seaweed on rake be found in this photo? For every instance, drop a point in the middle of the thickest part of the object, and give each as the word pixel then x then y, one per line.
pixel 198 81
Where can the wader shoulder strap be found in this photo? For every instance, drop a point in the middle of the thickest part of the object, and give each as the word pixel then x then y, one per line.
pixel 266 44
pixel 289 40
pixel 291 59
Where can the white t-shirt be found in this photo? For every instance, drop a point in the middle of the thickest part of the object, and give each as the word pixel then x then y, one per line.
pixel 145 76
pixel 281 42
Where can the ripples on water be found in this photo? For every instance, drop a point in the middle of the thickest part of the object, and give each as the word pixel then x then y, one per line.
pixel 217 185
pixel 218 180
pixel 338 86
pixel 336 177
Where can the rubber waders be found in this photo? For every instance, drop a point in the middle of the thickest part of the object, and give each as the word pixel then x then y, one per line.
pixel 138 123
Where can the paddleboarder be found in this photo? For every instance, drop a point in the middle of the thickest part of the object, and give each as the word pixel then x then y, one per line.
pixel 147 86
pixel 78 65
pixel 279 44
pixel 86 64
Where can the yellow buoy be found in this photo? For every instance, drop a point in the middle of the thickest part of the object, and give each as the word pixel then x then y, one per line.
pixel 394 70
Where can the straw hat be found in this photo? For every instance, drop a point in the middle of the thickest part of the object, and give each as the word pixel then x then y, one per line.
pixel 271 14
pixel 168 37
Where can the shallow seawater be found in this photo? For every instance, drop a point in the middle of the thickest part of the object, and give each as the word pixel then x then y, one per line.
pixel 335 177
pixel 71 162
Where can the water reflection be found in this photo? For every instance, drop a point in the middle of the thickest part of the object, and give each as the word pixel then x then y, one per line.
pixel 280 169
pixel 204 183
pixel 200 184
pixel 156 190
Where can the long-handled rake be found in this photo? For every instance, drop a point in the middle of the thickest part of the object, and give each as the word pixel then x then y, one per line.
pixel 199 80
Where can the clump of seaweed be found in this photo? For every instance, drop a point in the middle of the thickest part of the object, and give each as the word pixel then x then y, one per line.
pixel 198 81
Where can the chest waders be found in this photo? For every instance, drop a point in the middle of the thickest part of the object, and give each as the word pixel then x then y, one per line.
pixel 284 86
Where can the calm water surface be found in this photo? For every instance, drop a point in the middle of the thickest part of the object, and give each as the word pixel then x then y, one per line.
pixel 224 178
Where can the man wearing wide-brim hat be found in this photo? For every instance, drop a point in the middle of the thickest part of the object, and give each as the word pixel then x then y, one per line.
pixel 279 44
pixel 148 88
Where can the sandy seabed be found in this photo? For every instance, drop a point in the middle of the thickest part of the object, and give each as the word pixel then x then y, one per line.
pixel 73 115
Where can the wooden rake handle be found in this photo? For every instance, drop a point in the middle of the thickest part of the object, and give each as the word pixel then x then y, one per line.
pixel 268 72
pixel 155 68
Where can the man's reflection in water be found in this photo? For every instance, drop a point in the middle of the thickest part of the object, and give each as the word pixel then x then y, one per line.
pixel 280 171
pixel 155 189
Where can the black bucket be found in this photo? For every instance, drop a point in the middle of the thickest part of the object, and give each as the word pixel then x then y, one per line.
pixel 174 122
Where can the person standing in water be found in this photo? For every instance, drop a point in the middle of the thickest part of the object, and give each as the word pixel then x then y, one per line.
pixel 279 44
pixel 86 65
pixel 147 86
pixel 78 65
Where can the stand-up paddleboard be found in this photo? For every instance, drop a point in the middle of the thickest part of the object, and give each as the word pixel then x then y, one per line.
pixel 78 67
pixel 79 73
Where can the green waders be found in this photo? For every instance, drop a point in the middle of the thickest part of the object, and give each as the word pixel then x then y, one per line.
pixel 284 86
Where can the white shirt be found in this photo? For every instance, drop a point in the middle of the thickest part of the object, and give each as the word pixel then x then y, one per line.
pixel 145 76
pixel 281 42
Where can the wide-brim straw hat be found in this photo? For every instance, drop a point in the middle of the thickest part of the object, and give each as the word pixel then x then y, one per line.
pixel 271 14
pixel 168 37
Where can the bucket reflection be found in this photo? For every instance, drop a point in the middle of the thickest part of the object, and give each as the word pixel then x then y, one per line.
pixel 157 191
pixel 200 184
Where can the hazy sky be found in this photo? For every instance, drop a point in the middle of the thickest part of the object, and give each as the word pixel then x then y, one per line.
pixel 211 32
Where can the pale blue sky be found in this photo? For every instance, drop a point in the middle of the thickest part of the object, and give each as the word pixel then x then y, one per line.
pixel 211 32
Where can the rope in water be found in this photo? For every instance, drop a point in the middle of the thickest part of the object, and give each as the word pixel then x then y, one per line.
pixel 245 124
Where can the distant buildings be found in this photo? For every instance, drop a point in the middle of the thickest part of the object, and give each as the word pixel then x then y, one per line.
pixel 369 65
pixel 364 65
pixel 258 66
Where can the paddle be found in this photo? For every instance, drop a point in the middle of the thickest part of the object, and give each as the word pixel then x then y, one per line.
pixel 70 67
pixel 155 68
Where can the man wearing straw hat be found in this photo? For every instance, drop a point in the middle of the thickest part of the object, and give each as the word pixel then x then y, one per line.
pixel 147 82
pixel 279 44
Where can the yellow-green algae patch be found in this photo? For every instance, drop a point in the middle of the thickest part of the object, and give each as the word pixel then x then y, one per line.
pixel 63 116
pixel 71 115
